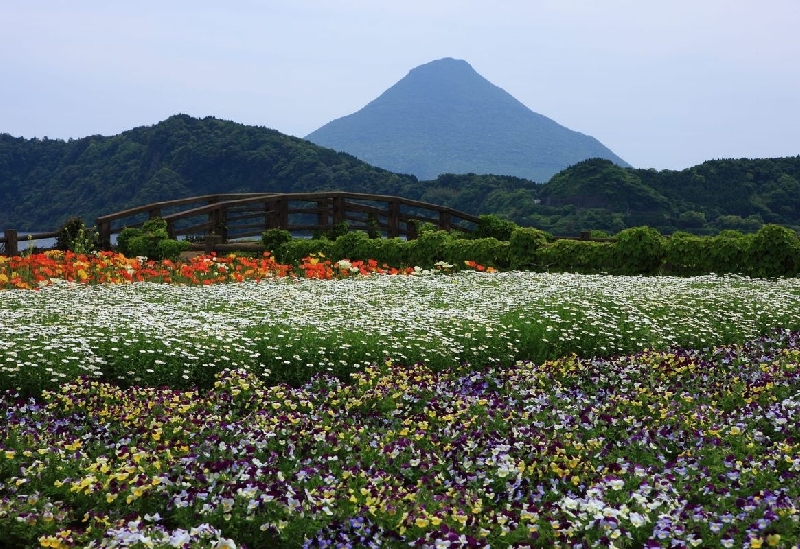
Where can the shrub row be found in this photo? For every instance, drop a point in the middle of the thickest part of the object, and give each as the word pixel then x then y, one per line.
pixel 425 251
pixel 772 252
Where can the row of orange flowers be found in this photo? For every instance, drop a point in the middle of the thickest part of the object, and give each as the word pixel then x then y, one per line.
pixel 34 271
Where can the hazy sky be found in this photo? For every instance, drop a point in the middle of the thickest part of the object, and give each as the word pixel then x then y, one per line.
pixel 662 83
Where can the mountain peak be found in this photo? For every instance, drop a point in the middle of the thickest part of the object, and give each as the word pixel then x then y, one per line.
pixel 444 64
pixel 444 117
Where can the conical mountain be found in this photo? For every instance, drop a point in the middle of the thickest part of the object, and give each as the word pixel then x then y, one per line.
pixel 444 117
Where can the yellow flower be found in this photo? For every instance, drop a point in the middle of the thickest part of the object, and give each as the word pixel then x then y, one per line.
pixel 773 539
pixel 422 522
pixel 74 446
pixel 756 542
pixel 49 541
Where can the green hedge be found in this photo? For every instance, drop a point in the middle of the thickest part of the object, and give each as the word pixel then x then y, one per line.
pixel 772 252
pixel 688 255
pixel 577 256
pixel 525 244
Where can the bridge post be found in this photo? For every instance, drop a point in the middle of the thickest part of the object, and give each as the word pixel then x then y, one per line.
pixel 223 224
pixel 322 215
pixel 411 229
pixel 104 232
pixel 393 219
pixel 12 246
pixel 339 206
pixel 171 228
pixel 217 219
pixel 154 212
pixel 283 213
pixel 273 221
pixel 444 220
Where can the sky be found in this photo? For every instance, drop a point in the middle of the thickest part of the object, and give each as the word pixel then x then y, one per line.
pixel 665 84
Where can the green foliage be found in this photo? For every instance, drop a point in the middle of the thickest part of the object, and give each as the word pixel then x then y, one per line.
pixel 728 252
pixel 492 226
pixel 425 251
pixel 775 252
pixel 155 228
pixel 737 223
pixel 691 220
pixel 74 236
pixel 389 251
pixel 275 238
pixel 524 246
pixel 639 250
pixel 424 227
pixel 125 241
pixel 151 241
pixel 577 256
pixel 169 248
pixel 354 245
pixel 599 183
pixel 339 229
pixel 488 252
pixel 295 250
pixel 687 255
pixel 429 248
pixel 373 227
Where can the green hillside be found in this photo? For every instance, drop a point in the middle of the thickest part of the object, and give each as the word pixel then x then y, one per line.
pixel 739 194
pixel 44 182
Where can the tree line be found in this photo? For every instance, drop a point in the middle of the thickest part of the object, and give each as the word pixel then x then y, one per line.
pixel 44 182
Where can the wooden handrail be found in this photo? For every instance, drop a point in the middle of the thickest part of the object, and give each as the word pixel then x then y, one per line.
pixel 9 242
pixel 331 207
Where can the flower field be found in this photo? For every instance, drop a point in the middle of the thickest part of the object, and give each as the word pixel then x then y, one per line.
pixel 369 410
pixel 56 267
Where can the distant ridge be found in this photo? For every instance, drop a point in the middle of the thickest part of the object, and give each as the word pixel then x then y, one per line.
pixel 444 117
pixel 44 182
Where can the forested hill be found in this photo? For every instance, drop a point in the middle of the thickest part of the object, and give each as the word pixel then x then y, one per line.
pixel 43 182
pixel 738 194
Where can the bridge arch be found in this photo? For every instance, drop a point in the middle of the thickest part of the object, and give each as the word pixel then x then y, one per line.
pixel 242 215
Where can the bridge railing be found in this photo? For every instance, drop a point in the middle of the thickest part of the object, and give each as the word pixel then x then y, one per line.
pixel 244 215
pixel 111 224
pixel 10 241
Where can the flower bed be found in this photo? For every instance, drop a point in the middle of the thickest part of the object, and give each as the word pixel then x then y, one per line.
pixel 35 271
pixel 289 329
pixel 422 411
pixel 675 449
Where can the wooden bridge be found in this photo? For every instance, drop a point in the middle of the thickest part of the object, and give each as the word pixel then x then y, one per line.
pixel 247 215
